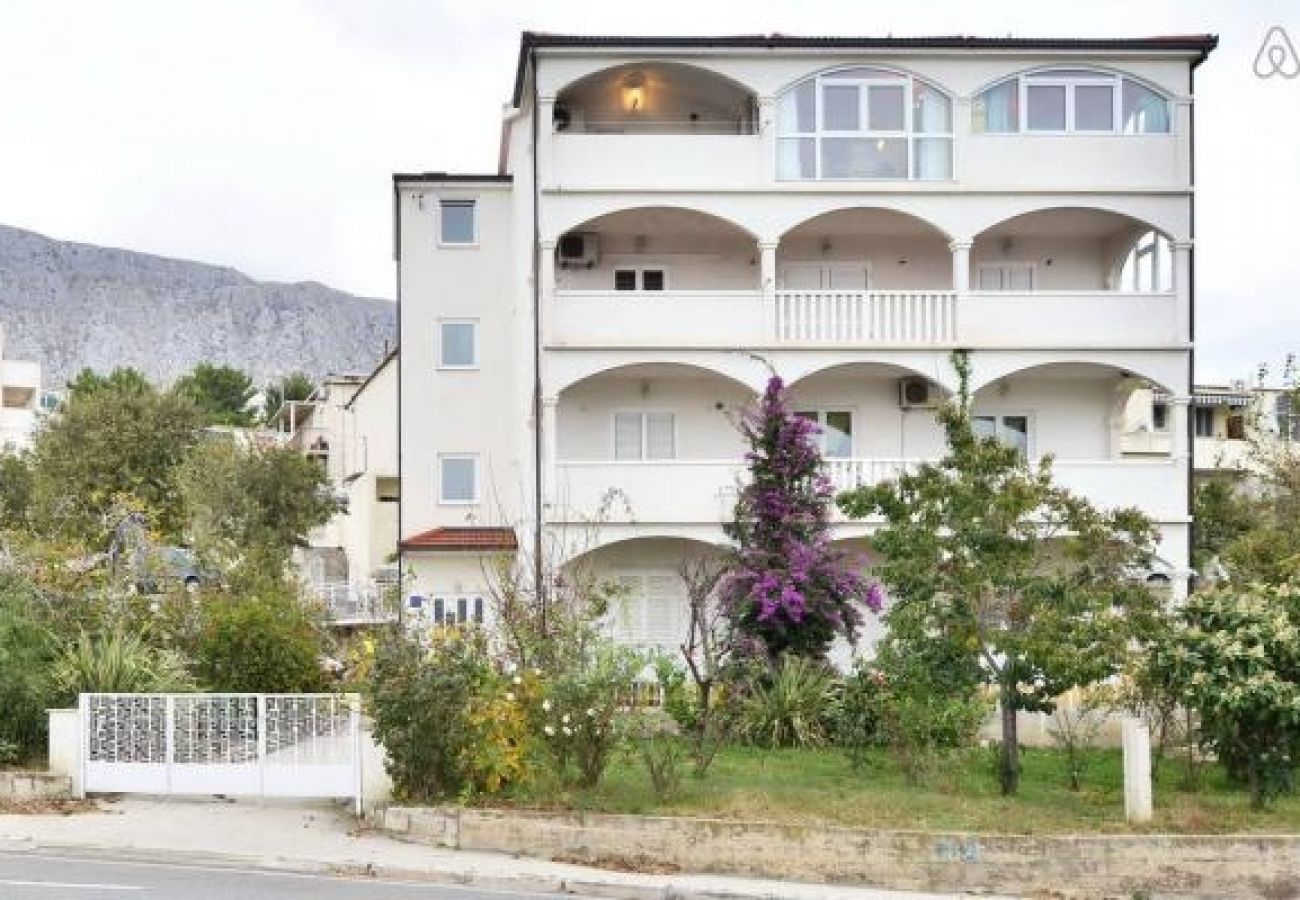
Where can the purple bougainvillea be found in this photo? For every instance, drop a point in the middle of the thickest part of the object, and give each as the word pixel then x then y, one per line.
pixel 790 588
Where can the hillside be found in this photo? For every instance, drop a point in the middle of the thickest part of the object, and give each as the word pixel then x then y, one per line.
pixel 69 305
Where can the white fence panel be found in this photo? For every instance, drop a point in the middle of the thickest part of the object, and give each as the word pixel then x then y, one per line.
pixel 264 745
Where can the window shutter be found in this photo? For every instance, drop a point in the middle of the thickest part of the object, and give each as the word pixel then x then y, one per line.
pixel 627 436
pixel 660 443
pixel 664 610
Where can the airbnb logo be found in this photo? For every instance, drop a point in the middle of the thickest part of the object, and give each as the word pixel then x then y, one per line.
pixel 1277 55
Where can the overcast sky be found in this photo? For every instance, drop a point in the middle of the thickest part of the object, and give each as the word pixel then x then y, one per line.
pixel 262 135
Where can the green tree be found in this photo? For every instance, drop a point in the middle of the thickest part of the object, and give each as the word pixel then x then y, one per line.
pixel 984 549
pixel 26 649
pixel 15 489
pixel 108 448
pixel 222 393
pixel 296 386
pixel 123 379
pixel 242 499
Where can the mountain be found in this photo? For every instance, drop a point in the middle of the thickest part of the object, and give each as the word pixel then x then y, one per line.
pixel 69 305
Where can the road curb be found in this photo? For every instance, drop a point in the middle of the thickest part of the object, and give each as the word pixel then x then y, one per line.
pixel 586 886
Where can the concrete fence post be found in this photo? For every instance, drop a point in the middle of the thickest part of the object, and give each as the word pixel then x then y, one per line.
pixel 67 747
pixel 1137 770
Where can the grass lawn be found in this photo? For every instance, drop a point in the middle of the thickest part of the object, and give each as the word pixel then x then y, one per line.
pixel 819 786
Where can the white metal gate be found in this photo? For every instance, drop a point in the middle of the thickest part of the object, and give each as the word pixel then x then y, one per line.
pixel 262 745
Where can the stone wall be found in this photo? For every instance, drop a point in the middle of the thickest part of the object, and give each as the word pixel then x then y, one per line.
pixel 34 786
pixel 1093 866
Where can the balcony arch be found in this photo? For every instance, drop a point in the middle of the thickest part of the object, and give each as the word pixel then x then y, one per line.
pixel 990 371
pixel 1071 99
pixel 1071 248
pixel 688 249
pixel 864 123
pixel 890 248
pixel 655 97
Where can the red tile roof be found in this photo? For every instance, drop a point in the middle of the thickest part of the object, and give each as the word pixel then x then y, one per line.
pixel 463 538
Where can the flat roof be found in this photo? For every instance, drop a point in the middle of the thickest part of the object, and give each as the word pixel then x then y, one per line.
pixel 1199 45
pixel 448 178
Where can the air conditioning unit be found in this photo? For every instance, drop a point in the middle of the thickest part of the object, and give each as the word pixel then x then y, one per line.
pixel 579 250
pixel 916 393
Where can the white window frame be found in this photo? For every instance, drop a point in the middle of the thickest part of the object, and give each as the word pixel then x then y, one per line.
pixel 640 278
pixel 449 367
pixel 478 479
pixel 1031 439
pixel 908 135
pixel 641 632
pixel 819 416
pixel 645 435
pixel 472 202
pixel 1101 77
pixel 1196 419
pixel 1006 264
pixel 475 607
pixel 823 267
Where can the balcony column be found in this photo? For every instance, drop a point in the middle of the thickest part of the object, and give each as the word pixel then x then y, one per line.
pixel 1181 251
pixel 1180 427
pixel 545 137
pixel 960 265
pixel 550 471
pixel 767 132
pixel 767 268
pixel 546 275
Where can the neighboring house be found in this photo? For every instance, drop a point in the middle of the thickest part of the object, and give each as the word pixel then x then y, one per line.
pixel 673 218
pixel 1233 427
pixel 20 400
pixel 348 427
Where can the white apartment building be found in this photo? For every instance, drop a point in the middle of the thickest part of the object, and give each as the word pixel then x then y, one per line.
pixel 673 218
pixel 348 427
pixel 20 400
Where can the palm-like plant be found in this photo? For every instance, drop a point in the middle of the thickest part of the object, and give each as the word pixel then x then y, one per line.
pixel 118 661
pixel 790 708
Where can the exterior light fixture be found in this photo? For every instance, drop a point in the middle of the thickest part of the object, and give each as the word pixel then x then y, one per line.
pixel 634 92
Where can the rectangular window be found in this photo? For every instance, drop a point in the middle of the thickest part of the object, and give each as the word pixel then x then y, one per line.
pixel 886 108
pixel 1012 430
pixel 1046 107
pixel 841 108
pixel 388 489
pixel 457 225
pixel 1094 107
pixel 1204 417
pixel 457 610
pixel 1005 276
pixel 835 439
pixel 644 436
pixel 1160 417
pixel 1236 427
pixel 864 157
pixel 458 478
pixel 457 345
pixel 649 608
pixel 639 279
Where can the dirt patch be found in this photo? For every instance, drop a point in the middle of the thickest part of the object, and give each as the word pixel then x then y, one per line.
pixel 44 807
pixel 643 865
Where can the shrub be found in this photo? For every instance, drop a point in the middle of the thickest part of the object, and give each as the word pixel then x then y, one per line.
pixel 1234 659
pixel 25 652
pixel 900 702
pixel 578 720
pixel 790 707
pixel 421 701
pixel 501 750
pixel 656 740
pixel 266 640
pixel 118 662
pixel 1075 726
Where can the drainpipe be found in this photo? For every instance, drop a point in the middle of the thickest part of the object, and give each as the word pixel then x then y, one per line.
pixel 538 458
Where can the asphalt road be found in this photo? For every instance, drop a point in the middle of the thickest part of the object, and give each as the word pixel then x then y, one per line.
pixel 35 876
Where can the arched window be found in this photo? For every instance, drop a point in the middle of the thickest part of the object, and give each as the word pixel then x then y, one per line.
pixel 1148 266
pixel 864 123
pixel 1063 101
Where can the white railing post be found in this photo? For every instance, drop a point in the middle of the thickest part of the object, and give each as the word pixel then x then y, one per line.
pixel 260 701
pixel 169 738
pixel 354 720
pixel 83 739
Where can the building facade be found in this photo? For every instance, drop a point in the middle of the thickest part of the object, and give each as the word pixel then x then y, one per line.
pixel 673 219
pixel 20 400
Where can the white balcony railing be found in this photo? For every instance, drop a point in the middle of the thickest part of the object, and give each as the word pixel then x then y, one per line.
pixel 704 491
pixel 866 317
pixel 347 603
